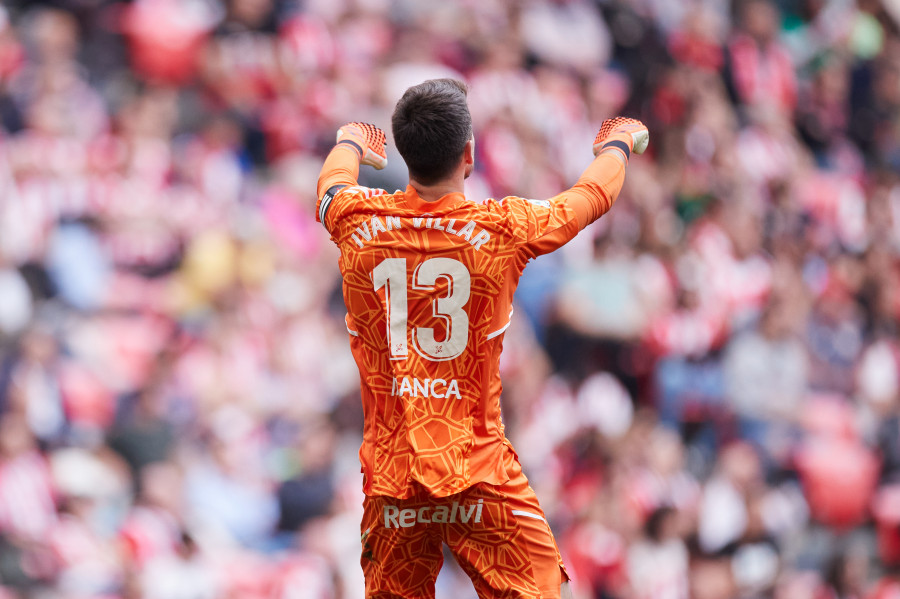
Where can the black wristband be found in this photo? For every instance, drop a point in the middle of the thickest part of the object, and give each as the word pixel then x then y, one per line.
pixel 618 143
pixel 354 144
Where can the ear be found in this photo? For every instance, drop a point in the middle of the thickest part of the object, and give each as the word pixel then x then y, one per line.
pixel 469 156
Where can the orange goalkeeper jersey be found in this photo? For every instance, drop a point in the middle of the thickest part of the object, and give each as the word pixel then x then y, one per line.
pixel 428 288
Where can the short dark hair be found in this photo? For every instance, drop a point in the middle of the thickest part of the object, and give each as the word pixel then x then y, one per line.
pixel 431 125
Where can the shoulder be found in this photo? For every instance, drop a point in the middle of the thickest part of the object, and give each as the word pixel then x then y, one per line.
pixel 340 203
pixel 519 209
pixel 511 214
pixel 515 204
pixel 358 197
pixel 360 192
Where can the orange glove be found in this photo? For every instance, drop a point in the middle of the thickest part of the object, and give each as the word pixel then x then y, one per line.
pixel 623 134
pixel 368 140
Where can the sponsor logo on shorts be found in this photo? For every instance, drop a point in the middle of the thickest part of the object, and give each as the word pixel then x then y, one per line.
pixel 394 517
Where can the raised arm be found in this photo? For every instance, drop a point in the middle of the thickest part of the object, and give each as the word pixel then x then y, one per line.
pixel 598 187
pixel 357 143
pixel 341 168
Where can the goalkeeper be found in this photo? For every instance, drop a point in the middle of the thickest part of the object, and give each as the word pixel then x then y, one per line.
pixel 428 282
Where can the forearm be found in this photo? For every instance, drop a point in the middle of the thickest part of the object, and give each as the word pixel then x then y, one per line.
pixel 596 190
pixel 341 168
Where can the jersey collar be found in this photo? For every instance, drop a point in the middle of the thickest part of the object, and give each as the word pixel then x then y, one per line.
pixel 414 201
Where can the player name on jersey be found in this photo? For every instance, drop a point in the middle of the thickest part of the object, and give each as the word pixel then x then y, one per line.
pixel 405 518
pixel 413 387
pixel 470 231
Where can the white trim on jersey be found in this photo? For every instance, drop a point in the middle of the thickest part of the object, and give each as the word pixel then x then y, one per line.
pixel 347 325
pixel 367 192
pixel 504 327
pixel 323 206
pixel 528 515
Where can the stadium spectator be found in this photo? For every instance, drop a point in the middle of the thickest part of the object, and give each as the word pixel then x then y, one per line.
pixel 171 329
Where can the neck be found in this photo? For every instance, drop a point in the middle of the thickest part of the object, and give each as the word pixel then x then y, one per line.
pixel 437 190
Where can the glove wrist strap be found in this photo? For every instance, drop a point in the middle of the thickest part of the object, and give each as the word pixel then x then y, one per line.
pixel 615 146
pixel 355 145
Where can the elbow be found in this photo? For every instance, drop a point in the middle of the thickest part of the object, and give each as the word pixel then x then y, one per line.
pixel 321 186
pixel 600 198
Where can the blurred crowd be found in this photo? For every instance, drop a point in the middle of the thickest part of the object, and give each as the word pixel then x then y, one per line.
pixel 704 386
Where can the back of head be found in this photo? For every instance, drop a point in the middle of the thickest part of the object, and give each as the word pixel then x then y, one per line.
pixel 431 125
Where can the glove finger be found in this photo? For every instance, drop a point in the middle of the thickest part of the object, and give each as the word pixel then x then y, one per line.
pixel 641 141
pixel 341 133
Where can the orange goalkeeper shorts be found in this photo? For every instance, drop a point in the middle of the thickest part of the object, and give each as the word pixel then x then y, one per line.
pixel 497 533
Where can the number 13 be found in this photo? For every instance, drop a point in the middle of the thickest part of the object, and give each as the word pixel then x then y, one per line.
pixel 391 274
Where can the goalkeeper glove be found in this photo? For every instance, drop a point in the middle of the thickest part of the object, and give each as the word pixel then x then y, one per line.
pixel 623 134
pixel 368 140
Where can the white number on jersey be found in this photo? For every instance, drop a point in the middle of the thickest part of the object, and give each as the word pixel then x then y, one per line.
pixel 391 274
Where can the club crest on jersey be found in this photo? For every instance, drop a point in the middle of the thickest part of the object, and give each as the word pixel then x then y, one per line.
pixel 541 203
pixel 368 231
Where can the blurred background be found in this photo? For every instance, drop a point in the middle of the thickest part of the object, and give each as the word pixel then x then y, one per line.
pixel 703 386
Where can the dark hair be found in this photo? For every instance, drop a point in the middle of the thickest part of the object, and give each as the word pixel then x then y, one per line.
pixel 431 125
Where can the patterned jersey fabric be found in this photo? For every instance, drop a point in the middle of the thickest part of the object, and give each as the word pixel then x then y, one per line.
pixel 428 288
pixel 497 534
